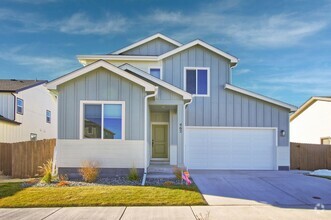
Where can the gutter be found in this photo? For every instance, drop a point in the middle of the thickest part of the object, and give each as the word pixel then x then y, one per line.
pixel 184 125
pixel 145 133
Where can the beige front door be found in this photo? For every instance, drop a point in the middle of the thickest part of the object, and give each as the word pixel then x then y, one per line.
pixel 160 141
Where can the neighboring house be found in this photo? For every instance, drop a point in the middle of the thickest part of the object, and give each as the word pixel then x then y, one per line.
pixel 150 94
pixel 27 111
pixel 311 123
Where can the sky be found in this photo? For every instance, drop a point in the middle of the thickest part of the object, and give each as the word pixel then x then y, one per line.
pixel 284 46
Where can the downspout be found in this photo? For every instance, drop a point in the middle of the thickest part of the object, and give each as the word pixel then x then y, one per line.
pixel 184 125
pixel 145 133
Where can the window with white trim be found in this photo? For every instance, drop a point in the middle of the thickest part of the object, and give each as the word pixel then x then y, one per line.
pixel 48 116
pixel 196 81
pixel 20 106
pixel 156 72
pixel 103 120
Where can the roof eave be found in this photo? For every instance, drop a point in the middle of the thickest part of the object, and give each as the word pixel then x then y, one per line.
pixel 261 97
pixel 52 85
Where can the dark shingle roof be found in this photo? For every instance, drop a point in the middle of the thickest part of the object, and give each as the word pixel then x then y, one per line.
pixel 16 85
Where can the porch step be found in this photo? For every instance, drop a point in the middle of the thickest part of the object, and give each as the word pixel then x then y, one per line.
pixel 155 162
pixel 160 176
pixel 160 169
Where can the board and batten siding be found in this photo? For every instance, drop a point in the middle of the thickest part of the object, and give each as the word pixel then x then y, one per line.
pixel 155 47
pixel 222 107
pixel 7 105
pixel 101 85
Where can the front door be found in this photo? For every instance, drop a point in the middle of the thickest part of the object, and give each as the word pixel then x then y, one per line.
pixel 160 141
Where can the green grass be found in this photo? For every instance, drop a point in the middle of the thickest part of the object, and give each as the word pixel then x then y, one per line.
pixel 12 195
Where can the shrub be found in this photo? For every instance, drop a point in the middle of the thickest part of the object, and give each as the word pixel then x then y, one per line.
pixel 178 172
pixel 168 183
pixel 63 177
pixel 46 168
pixel 62 183
pixel 89 171
pixel 46 171
pixel 133 174
pixel 47 178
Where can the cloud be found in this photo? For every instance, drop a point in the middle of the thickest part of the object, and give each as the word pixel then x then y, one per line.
pixel 310 82
pixel 79 23
pixel 274 30
pixel 36 2
pixel 46 65
pixel 241 71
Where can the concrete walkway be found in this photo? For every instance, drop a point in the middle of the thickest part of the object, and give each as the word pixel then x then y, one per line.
pixel 181 212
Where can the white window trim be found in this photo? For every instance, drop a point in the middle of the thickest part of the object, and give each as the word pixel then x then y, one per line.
pixel 156 67
pixel 50 116
pixel 81 123
pixel 208 80
pixel 21 113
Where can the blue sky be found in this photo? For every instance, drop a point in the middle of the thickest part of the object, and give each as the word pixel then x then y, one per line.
pixel 283 46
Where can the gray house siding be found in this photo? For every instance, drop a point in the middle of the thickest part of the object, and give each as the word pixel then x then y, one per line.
pixel 222 107
pixel 104 85
pixel 7 105
pixel 155 47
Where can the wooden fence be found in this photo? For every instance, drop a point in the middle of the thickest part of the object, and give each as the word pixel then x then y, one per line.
pixel 21 160
pixel 310 156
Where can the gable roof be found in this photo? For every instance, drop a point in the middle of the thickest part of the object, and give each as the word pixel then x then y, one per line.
pixel 52 85
pixel 145 40
pixel 260 97
pixel 308 103
pixel 186 95
pixel 16 85
pixel 234 60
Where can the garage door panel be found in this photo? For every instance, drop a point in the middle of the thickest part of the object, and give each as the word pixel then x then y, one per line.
pixel 230 148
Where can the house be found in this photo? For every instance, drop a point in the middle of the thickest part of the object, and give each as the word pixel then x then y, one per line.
pixel 311 123
pixel 28 111
pixel 167 102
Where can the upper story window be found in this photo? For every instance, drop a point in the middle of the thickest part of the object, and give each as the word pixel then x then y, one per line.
pixel 196 80
pixel 103 120
pixel 156 72
pixel 48 116
pixel 20 106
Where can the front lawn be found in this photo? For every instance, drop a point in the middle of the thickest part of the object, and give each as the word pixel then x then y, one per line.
pixel 13 195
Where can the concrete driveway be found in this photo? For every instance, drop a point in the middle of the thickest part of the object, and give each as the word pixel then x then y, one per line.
pixel 277 188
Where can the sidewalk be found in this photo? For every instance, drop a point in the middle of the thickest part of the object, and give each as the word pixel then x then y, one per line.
pixel 158 212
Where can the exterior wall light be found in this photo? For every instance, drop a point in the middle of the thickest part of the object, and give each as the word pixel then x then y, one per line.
pixel 282 133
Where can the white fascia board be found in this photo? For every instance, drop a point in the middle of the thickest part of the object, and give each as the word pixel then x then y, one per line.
pixel 116 57
pixel 261 97
pixel 158 35
pixel 232 59
pixel 101 63
pixel 186 95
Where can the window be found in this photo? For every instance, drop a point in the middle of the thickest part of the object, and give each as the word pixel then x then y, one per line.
pixel 48 116
pixel 20 106
pixel 196 81
pixel 156 72
pixel 103 120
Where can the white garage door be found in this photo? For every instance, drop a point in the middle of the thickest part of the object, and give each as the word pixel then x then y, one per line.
pixel 230 148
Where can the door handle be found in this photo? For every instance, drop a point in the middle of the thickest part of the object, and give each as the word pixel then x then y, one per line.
pixel 152 143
